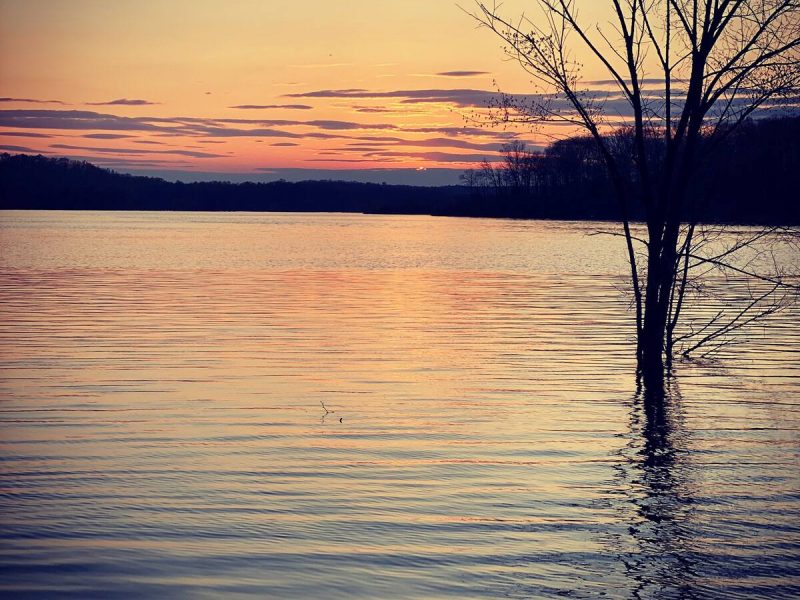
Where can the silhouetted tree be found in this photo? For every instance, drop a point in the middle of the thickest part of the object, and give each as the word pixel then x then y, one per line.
pixel 716 62
pixel 513 184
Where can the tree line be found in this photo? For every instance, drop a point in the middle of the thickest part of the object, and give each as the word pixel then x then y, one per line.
pixel 38 182
pixel 751 178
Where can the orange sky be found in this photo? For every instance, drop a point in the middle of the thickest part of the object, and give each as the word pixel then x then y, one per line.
pixel 338 84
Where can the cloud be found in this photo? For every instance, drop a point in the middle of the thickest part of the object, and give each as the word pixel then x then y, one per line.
pixel 392 109
pixel 211 128
pixel 284 144
pixel 435 143
pixel 434 156
pixel 88 120
pixel 395 155
pixel 348 125
pixel 123 102
pixel 611 103
pixel 106 136
pixel 374 109
pixel 266 106
pixel 191 153
pixel 374 138
pixel 342 93
pixel 22 149
pixel 347 160
pixel 33 100
pixel 462 73
pixel 25 134
pixel 73 119
pixel 461 131
pixel 319 124
pixel 360 149
pixel 205 130
pixel 459 97
pixel 470 98
pixel 259 132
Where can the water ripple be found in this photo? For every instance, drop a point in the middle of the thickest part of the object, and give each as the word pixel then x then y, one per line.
pixel 163 434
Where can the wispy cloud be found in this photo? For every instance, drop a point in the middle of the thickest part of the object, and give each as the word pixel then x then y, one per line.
pixel 187 126
pixel 346 160
pixel 31 100
pixel 326 124
pixel 458 97
pixel 343 93
pixel 374 109
pixel 72 119
pixel 123 102
pixel 108 126
pixel 360 149
pixel 430 156
pixel 191 153
pixel 269 106
pixel 465 131
pixel 470 98
pixel 23 149
pixel 462 73
pixel 106 136
pixel 29 134
pixel 615 107
pixel 432 143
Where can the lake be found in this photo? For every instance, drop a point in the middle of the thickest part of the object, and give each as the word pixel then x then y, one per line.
pixel 164 435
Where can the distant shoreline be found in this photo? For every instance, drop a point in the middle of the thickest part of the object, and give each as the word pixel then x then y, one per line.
pixel 29 182
pixel 634 223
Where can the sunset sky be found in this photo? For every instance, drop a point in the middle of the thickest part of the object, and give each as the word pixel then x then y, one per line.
pixel 254 88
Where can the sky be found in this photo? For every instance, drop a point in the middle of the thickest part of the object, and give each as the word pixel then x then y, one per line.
pixel 256 89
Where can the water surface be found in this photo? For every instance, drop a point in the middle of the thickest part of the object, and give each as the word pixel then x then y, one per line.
pixel 163 434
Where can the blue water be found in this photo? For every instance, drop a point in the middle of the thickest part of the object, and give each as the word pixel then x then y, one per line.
pixel 164 436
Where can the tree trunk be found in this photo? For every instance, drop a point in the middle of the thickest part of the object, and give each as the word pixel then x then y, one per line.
pixel 652 342
pixel 651 346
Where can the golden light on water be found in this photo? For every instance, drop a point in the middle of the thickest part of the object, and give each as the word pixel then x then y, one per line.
pixel 161 413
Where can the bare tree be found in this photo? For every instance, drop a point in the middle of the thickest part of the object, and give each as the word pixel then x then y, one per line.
pixel 689 73
pixel 516 175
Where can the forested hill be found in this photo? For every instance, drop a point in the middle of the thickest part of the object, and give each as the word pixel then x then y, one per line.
pixel 752 179
pixel 37 182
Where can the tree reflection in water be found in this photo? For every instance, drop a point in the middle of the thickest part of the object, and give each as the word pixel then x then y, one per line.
pixel 653 496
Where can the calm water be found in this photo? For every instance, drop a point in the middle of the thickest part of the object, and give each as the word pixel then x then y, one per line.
pixel 163 437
